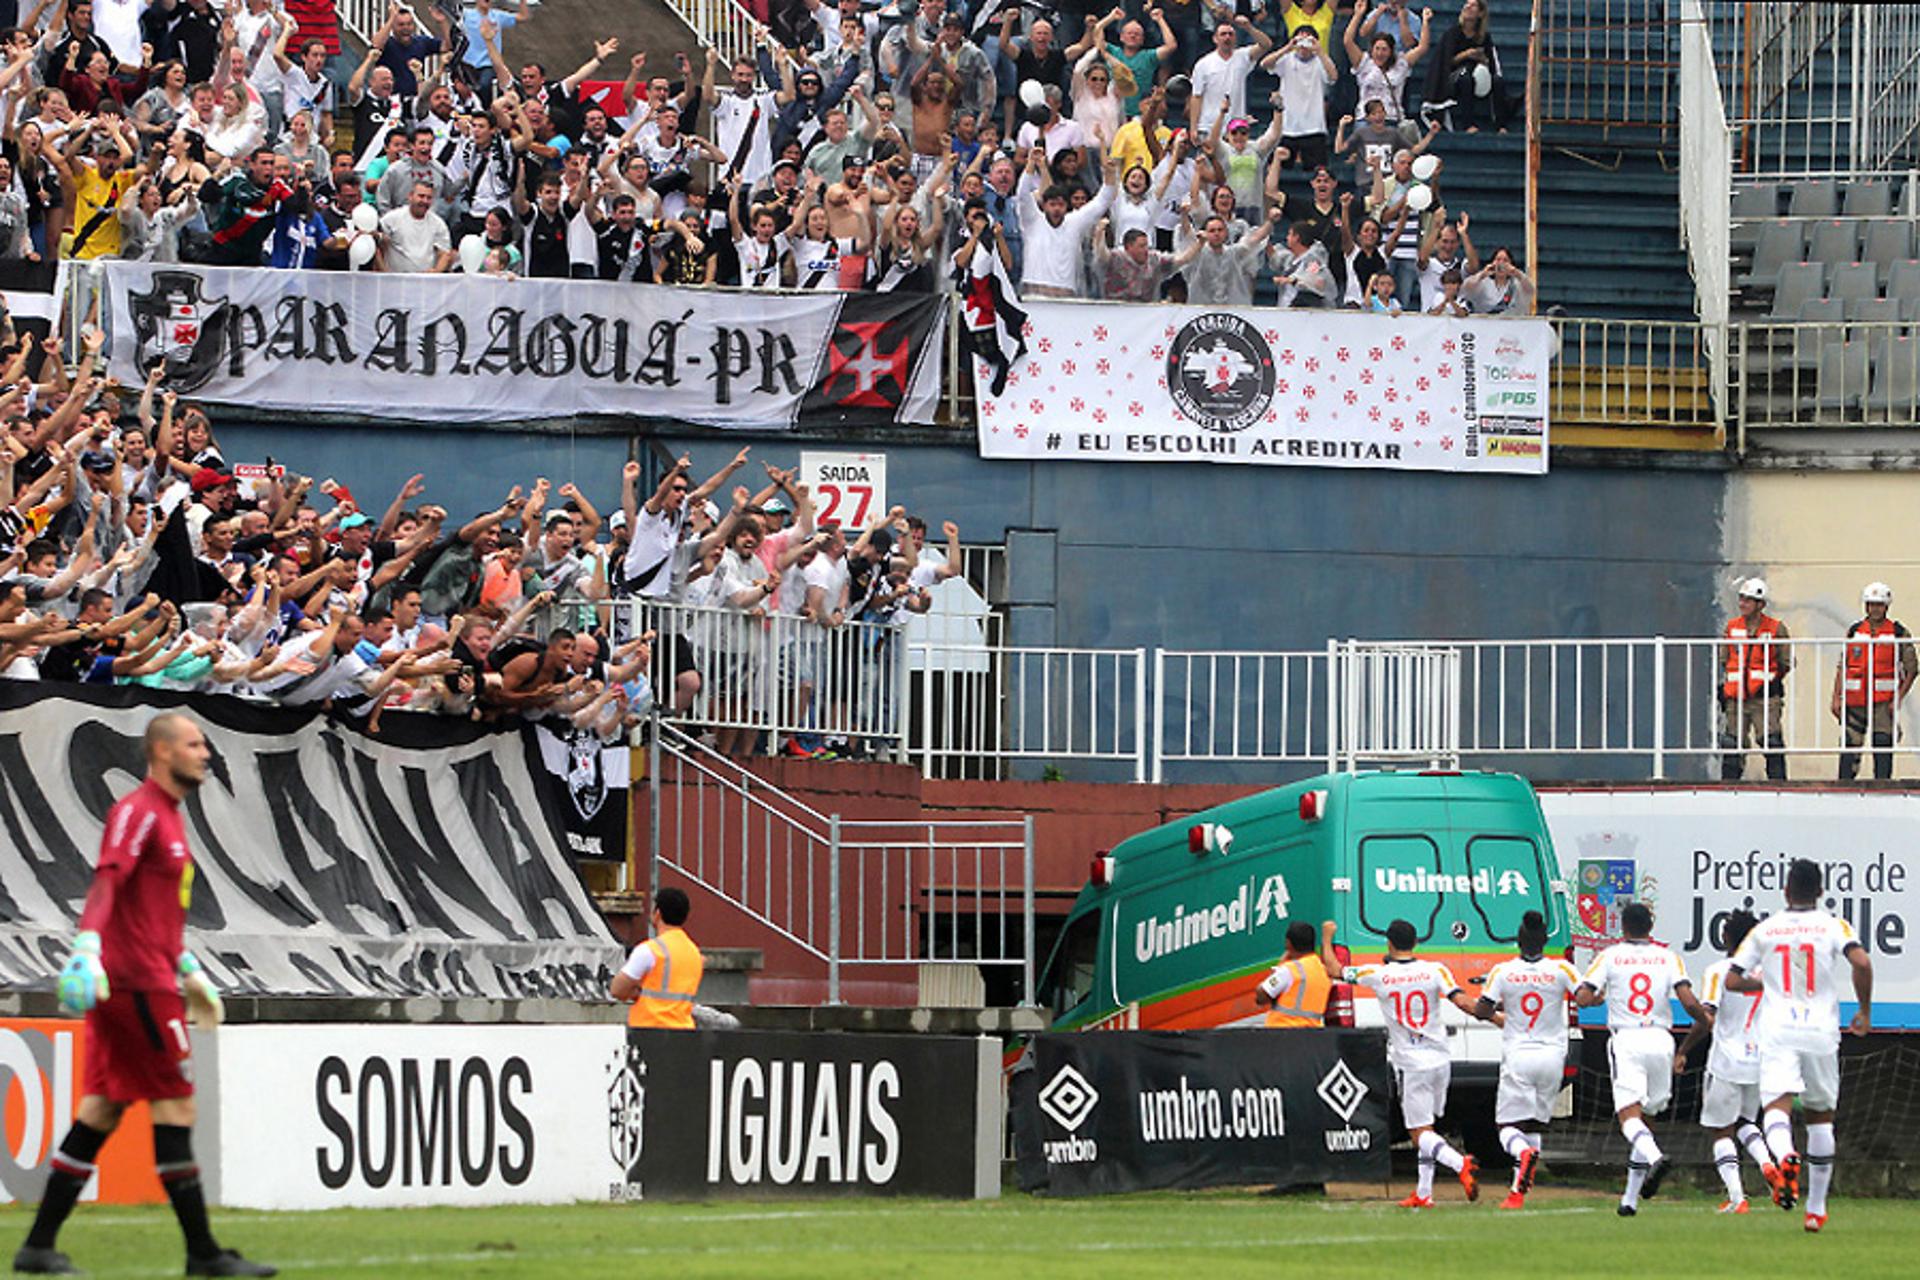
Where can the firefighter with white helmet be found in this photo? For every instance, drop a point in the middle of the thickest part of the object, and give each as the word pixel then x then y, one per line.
pixel 1871 681
pixel 1753 687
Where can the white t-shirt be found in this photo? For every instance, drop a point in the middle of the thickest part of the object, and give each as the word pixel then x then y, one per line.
pixel 117 23
pixel 1430 287
pixel 831 577
pixel 1488 297
pixel 1214 78
pixel 1735 1056
pixel 1410 994
pixel 655 537
pixel 730 116
pixel 1796 955
pixel 1638 981
pixel 760 263
pixel 414 244
pixel 298 93
pixel 1533 994
pixel 1303 95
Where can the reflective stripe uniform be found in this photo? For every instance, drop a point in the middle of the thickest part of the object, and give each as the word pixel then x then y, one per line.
pixel 1298 989
pixel 668 969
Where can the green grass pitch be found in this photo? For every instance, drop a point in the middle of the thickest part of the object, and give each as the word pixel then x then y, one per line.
pixel 1182 1235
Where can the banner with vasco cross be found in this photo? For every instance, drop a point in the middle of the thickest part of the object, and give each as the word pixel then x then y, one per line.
pixel 1117 382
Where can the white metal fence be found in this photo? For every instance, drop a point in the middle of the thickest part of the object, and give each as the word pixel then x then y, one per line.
pixel 980 708
pixel 867 892
pixel 726 25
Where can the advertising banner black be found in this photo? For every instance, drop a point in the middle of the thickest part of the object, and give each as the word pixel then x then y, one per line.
pixel 1112 1111
pixel 695 1115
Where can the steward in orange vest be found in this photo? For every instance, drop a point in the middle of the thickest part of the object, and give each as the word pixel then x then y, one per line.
pixel 662 975
pixel 1871 681
pixel 1753 688
pixel 1295 993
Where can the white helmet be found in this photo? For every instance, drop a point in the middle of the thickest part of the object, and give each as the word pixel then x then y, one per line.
pixel 1877 593
pixel 1754 589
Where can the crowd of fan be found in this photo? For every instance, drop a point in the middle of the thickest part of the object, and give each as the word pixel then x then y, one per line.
pixel 138 555
pixel 1104 155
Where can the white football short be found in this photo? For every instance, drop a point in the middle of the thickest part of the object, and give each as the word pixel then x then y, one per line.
pixel 1423 1094
pixel 1727 1102
pixel 1530 1079
pixel 1642 1072
pixel 1813 1074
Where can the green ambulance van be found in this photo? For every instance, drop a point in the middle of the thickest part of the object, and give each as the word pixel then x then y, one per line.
pixel 1178 925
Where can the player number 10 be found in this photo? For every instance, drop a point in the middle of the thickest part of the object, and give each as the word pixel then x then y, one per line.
pixel 1785 952
pixel 1410 1009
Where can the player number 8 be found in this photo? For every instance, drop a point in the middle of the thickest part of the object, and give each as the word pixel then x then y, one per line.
pixel 1640 993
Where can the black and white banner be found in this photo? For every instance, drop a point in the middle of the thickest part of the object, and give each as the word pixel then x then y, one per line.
pixel 1113 1111
pixel 695 1115
pixel 589 778
pixel 474 348
pixel 1111 382
pixel 327 862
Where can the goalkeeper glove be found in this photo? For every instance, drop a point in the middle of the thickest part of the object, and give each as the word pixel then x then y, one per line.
pixel 82 983
pixel 203 1002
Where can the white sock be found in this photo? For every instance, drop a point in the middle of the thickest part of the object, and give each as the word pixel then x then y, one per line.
pixel 1516 1145
pixel 1749 1137
pixel 1446 1156
pixel 1425 1163
pixel 1819 1166
pixel 1778 1128
pixel 1726 1158
pixel 1642 1152
pixel 1533 1140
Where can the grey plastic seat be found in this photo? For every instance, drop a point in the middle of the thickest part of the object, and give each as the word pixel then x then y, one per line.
pixel 1904 280
pixel 1873 311
pixel 1780 243
pixel 1896 380
pixel 1815 198
pixel 1803 351
pixel 1853 283
pixel 1761 200
pixel 1887 241
pixel 1797 284
pixel 1910 309
pixel 1842 381
pixel 1868 199
pixel 1833 242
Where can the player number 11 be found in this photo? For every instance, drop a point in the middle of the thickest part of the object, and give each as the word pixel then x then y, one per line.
pixel 1785 952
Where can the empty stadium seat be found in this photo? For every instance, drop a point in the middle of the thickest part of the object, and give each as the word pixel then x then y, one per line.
pixel 1804 353
pixel 1797 284
pixel 1910 309
pixel 1896 378
pixel 1904 280
pixel 1869 199
pixel 1780 243
pixel 1843 379
pixel 1888 240
pixel 1834 242
pixel 1815 198
pixel 1761 200
pixel 1854 283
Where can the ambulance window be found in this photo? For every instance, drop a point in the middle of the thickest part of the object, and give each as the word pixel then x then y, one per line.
pixel 1070 977
pixel 1396 874
pixel 1509 869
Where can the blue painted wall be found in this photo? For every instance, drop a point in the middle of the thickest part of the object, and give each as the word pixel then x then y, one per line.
pixel 1188 555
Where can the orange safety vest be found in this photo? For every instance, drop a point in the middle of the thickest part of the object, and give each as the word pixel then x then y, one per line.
pixel 1751 667
pixel 666 993
pixel 1304 1004
pixel 1871 668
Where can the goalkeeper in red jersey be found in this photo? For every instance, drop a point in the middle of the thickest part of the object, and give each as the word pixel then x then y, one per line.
pixel 133 978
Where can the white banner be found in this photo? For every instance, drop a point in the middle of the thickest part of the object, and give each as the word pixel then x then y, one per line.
pixel 474 348
pixel 324 1116
pixel 1280 387
pixel 1696 855
pixel 848 488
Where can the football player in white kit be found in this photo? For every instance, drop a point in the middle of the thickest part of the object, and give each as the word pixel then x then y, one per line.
pixel 1792 958
pixel 1638 980
pixel 1528 998
pixel 1730 1101
pixel 1411 992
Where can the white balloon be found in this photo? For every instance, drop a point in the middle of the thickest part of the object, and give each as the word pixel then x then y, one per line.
pixel 1031 94
pixel 1420 199
pixel 360 251
pixel 366 218
pixel 1482 81
pixel 1424 167
pixel 473 254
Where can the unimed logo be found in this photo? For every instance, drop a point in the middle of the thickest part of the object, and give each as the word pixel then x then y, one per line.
pixel 1343 1092
pixel 1068 1099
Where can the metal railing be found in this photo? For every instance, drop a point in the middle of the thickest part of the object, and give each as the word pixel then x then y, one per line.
pixel 981 707
pixel 1608 64
pixel 725 25
pixel 1839 374
pixel 847 892
pixel 1223 706
pixel 1634 373
pixel 1706 187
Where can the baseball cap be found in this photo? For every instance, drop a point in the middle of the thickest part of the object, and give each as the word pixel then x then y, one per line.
pixel 786 164
pixel 96 460
pixel 355 520
pixel 555 516
pixel 207 478
pixel 712 509
pixel 618 520
pixel 855 159
pixel 777 507
pixel 1239 122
